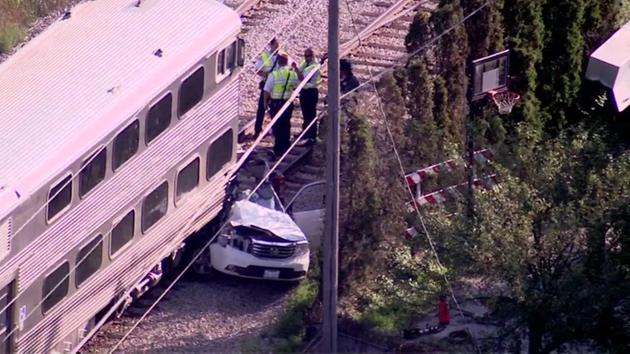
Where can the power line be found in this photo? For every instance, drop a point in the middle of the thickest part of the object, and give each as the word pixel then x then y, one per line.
pixel 238 165
pixel 18 295
pixel 430 42
pixel 265 131
pixel 399 160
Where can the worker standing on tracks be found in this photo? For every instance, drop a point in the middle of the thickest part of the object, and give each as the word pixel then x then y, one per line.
pixel 266 63
pixel 310 93
pixel 278 89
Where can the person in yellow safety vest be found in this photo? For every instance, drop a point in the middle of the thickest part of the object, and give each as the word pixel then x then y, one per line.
pixel 278 89
pixel 265 64
pixel 310 93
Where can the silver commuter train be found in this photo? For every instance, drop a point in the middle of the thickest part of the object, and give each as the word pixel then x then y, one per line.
pixel 119 123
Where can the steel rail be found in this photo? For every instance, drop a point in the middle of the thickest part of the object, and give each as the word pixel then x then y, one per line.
pixel 246 6
pixel 390 15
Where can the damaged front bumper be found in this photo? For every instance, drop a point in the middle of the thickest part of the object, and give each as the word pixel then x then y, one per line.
pixel 229 260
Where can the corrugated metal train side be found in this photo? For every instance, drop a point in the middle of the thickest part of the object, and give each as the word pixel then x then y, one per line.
pixel 43 246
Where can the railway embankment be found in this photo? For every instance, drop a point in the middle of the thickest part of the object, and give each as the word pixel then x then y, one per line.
pixel 22 20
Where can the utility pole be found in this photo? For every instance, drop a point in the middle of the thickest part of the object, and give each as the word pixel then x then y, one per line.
pixel 469 127
pixel 331 234
pixel 470 157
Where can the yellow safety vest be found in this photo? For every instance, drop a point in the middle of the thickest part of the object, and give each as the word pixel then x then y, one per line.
pixel 283 77
pixel 267 61
pixel 315 79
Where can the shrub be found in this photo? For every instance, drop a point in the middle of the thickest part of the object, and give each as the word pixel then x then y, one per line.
pixel 10 35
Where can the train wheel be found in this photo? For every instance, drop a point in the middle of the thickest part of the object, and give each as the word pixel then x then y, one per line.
pixel 172 264
pixel 202 266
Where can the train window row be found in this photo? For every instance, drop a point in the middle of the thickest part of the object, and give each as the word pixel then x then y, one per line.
pixel 154 206
pixel 126 144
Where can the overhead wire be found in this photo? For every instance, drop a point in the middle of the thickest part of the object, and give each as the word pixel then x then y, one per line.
pixel 372 80
pixel 207 244
pixel 240 162
pixel 402 169
pixel 87 162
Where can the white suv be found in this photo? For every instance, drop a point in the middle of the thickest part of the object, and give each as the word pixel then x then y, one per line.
pixel 264 240
pixel 261 243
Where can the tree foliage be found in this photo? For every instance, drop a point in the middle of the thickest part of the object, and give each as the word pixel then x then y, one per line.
pixel 524 27
pixel 555 233
pixel 559 240
pixel 562 55
pixel 451 62
pixel 422 143
pixel 359 197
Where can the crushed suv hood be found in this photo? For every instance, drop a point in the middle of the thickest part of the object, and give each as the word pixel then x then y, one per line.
pixel 246 213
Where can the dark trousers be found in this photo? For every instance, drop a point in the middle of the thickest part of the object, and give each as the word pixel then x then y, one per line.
pixel 260 112
pixel 282 128
pixel 308 102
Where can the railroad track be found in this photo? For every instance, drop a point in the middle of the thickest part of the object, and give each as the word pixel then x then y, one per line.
pixel 373 38
pixel 382 26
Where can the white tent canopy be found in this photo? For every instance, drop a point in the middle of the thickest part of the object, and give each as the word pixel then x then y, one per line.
pixel 610 65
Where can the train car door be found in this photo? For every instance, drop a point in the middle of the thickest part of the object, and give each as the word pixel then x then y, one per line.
pixel 307 210
pixel 6 318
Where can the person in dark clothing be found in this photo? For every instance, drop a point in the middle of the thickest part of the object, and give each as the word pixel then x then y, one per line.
pixel 348 81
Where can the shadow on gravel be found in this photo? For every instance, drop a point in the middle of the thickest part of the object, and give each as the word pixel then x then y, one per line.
pixel 221 295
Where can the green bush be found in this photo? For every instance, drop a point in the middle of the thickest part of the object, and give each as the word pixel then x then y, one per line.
pixel 10 35
pixel 291 324
pixel 408 288
pixel 302 297
pixel 387 318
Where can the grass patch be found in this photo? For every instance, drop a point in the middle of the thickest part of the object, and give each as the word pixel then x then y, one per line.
pixel 291 324
pixel 10 35
pixel 388 319
pixel 17 15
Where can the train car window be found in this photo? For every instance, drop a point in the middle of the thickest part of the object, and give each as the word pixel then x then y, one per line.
pixel 125 144
pixel 154 206
pixel 59 197
pixel 92 172
pixel 187 179
pixel 159 117
pixel 241 52
pixel 231 56
pixel 89 260
pixel 122 232
pixel 219 153
pixel 221 63
pixel 55 287
pixel 191 91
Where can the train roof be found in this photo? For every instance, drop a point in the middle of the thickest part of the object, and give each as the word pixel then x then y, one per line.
pixel 88 73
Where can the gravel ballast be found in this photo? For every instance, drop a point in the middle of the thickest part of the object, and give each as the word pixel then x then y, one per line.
pixel 221 315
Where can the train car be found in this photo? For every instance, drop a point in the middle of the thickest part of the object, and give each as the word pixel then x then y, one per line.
pixel 118 137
